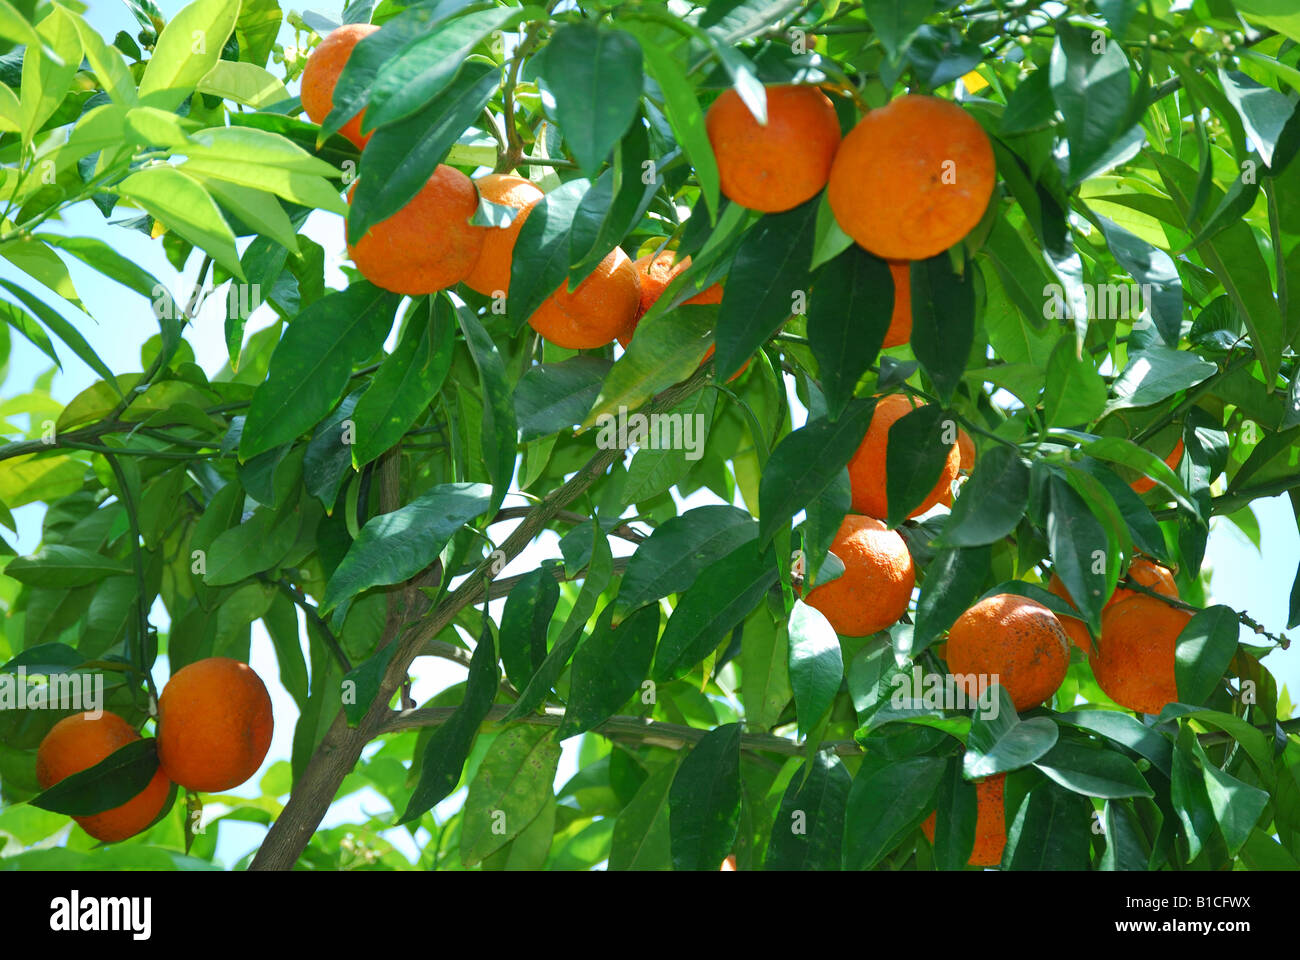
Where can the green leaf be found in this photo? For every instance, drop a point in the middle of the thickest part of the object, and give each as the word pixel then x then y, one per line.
pixel 329 453
pixel 245 83
pixel 1051 830
pixel 361 684
pixel 257 544
pixel 914 459
pixel 816 664
pixel 849 311
pixel 97 254
pixel 808 832
pixel 186 51
pixel 956 815
pixel 1190 798
pixel 64 330
pixel 1093 89
pixel 885 804
pixel 524 621
pixel 608 668
pixel 1264 111
pixel 22 321
pixel 682 108
pixel 593 76
pixel 107 64
pixel 952 583
pixel 1237 805
pixel 181 204
pixel 512 786
pixel 1093 772
pixel 444 756
pixel 764 662
pixel 943 321
pixel 704 801
pixel 60 565
pixel 49 69
pixel 896 21
pixel 1000 741
pixel 541 256
pixel 500 434
pixel 399 159
pixel 670 455
pixel 106 785
pixel 1076 393
pixel 1127 847
pixel 1205 648
pixel 1126 452
pixel 256 29
pixel 805 463
pixel 1076 538
pixel 393 547
pixel 310 367
pixel 264 161
pixel 551 397
pixel 424 69
pixel 1155 270
pixel 992 502
pixel 641 838
pixel 405 383
pixel 721 597
pixel 770 268
pixel 1127 731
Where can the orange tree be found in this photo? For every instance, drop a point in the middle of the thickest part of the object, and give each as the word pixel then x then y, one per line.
pixel 1075 225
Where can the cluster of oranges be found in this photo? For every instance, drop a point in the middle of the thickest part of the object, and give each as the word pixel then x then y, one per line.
pixel 214 728
pixel 908 182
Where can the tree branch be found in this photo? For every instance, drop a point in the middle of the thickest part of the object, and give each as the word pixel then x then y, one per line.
pixel 342 745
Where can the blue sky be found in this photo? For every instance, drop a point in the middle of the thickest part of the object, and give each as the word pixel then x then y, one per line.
pixel 1258 581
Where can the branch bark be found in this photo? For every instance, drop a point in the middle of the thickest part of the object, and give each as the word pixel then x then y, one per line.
pixel 340 749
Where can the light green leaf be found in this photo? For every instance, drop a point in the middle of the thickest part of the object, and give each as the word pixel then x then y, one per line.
pixel 181 204
pixel 245 83
pixel 187 50
pixel 45 82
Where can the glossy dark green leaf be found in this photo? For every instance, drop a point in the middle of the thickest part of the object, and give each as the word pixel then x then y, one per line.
pixel 704 801
pixel 896 21
pixel 1092 86
pixel 1093 772
pixel 361 684
pixel 593 74
pixel 956 812
pixel 1127 847
pixel 1264 111
pixel 524 622
pixel 1237 805
pixel 393 547
pixel 914 459
pixel 671 558
pixel 823 518
pixel 849 310
pixel 399 159
pixel 1003 742
pixel 1077 540
pixel 1190 799
pixel 500 434
pixel 641 839
pixel 885 804
pixel 721 597
pixel 329 453
pixel 1127 731
pixel 770 268
pixel 310 366
pixel 404 384
pixel 1155 271
pixel 445 754
pixel 943 320
pixel 423 70
pixel 609 668
pixel 1205 648
pixel 600 569
pixel 513 784
pixel 105 785
pixel 1146 532
pixel 1126 452
pixel 1075 392
pixel 614 205
pixel 352 89
pixel 806 462
pixel 952 583
pixel 541 255
pixel 1051 830
pixel 808 832
pixel 992 502
pixel 816 664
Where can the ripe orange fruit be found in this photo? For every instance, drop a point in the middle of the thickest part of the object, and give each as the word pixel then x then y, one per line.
pixel 1135 662
pixel 1146 484
pixel 492 271
pixel 912 178
pixel 867 467
pixel 1073 627
pixel 728 864
pixel 429 244
pixel 900 323
pixel 655 274
pixel 1012 636
pixel 877 582
pixel 778 166
pixel 601 309
pixel 966 449
pixel 321 74
pixel 990 822
pixel 214 724
pixel 79 742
